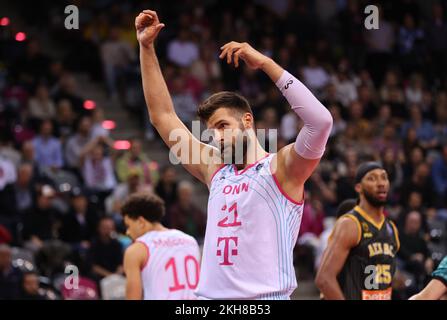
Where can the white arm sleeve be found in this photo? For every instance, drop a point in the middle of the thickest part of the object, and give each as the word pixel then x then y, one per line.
pixel 312 139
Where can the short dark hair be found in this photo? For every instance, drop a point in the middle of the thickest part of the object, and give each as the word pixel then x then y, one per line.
pixel 223 99
pixel 147 205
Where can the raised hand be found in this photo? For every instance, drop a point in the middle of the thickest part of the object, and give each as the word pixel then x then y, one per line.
pixel 148 26
pixel 234 51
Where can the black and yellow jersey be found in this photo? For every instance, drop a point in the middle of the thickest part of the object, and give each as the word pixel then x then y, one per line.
pixel 370 266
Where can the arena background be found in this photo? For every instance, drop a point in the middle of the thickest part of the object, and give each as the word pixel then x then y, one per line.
pixel 385 88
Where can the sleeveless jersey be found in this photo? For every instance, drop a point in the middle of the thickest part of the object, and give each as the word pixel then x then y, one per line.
pixel 172 269
pixel 370 266
pixel 251 231
pixel 441 272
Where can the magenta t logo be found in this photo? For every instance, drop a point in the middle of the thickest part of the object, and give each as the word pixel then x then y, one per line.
pixel 226 249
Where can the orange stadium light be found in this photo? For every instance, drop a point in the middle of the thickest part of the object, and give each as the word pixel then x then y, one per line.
pixel 89 104
pixel 121 145
pixel 4 21
pixel 109 124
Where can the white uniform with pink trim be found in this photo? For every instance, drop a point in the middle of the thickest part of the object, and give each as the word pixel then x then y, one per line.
pixel 172 269
pixel 251 231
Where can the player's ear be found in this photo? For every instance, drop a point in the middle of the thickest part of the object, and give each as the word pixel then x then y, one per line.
pixel 358 187
pixel 247 120
pixel 141 220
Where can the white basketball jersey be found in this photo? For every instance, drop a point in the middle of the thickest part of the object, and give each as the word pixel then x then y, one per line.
pixel 251 231
pixel 172 269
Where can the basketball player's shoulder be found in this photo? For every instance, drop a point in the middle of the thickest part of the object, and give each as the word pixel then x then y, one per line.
pixel 137 253
pixel 212 171
pixel 348 229
pixel 178 234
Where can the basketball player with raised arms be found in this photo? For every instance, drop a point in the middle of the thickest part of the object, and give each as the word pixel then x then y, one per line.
pixel 256 199
pixel 161 264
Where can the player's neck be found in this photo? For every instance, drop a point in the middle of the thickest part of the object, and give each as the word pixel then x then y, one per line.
pixel 254 153
pixel 155 227
pixel 376 213
pixel 159 227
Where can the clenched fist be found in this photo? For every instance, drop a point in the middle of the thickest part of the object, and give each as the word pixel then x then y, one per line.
pixel 148 26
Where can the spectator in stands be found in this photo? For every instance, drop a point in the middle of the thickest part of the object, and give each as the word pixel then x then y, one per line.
pixel 182 50
pixel 134 183
pixel 421 181
pixel 10 276
pixel 345 184
pixel 413 250
pixel 409 38
pixel 315 76
pixel 413 158
pixel 97 124
pixel 391 93
pixel 8 150
pixel 183 100
pixel 67 89
pixel 439 175
pixel 184 215
pixel 383 118
pixel 361 126
pixel 289 126
pixel 310 230
pixel 41 223
pixel 65 120
pixel 391 163
pixel 424 129
pixel 47 148
pixel 97 168
pixel 33 65
pixel 414 93
pixel 386 140
pixel 135 160
pixel 441 121
pixel 344 85
pixel 41 106
pixel 31 287
pixel 19 197
pixel 77 142
pixel 116 55
pixel 5 235
pixel 379 46
pixel 8 173
pixel 436 32
pixel 105 253
pixel 339 123
pixel 207 67
pixel 27 155
pixel 312 219
pixel 167 186
pixel 251 89
pixel 80 223
pixel 367 97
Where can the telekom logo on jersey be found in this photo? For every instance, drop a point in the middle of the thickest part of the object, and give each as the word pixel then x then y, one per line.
pixel 227 246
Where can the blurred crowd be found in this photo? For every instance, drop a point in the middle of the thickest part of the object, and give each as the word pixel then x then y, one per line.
pixel 62 180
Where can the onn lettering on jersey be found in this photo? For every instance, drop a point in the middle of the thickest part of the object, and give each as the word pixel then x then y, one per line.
pixel 235 189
